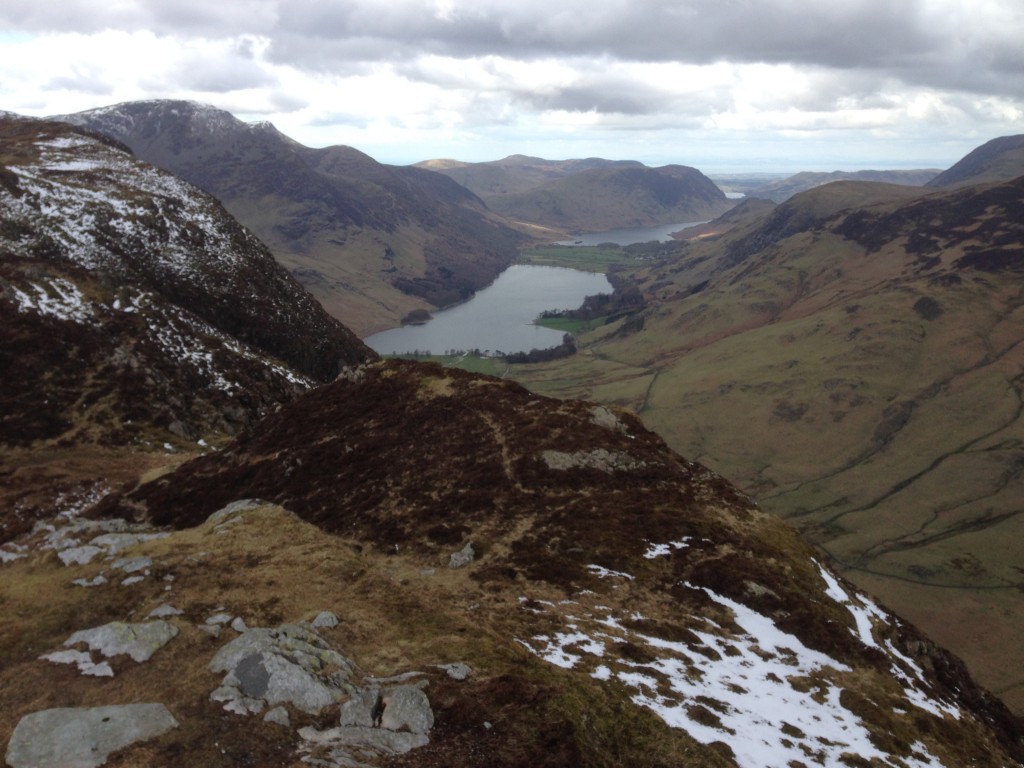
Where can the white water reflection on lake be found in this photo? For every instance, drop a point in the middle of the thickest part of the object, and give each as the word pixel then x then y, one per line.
pixel 499 317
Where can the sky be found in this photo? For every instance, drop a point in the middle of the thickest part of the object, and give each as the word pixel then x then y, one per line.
pixel 722 85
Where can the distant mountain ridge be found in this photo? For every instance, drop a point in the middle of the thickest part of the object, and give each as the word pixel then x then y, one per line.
pixel 780 190
pixel 598 199
pixel 370 241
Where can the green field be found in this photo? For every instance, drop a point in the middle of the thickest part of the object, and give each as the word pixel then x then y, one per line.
pixel 583 257
pixel 569 324
pixel 491 366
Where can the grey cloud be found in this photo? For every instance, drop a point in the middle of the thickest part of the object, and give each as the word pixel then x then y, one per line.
pixel 219 75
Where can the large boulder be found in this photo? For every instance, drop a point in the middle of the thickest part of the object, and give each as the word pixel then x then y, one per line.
pixel 83 737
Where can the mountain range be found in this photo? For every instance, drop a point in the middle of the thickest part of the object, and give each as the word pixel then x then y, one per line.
pixel 241 539
pixel 370 241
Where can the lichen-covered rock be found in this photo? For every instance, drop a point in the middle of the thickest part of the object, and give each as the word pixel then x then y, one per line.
pixel 83 737
pixel 288 665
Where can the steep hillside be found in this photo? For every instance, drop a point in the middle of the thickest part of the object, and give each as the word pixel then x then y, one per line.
pixel 547 585
pixel 780 190
pixel 997 160
pixel 370 241
pixel 854 359
pixel 609 198
pixel 132 302
pixel 517 173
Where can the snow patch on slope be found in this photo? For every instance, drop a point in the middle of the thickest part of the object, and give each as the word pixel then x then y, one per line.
pixel 760 690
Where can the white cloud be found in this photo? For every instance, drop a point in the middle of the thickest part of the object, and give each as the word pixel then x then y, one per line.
pixel 655 80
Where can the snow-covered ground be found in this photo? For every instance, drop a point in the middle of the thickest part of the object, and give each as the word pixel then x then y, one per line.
pixel 772 699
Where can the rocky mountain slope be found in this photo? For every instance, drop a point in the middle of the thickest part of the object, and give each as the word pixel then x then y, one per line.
pixel 134 307
pixel 853 358
pixel 370 241
pixel 598 199
pixel 548 585
pixel 1000 159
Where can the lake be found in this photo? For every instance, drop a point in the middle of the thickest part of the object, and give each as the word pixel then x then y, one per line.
pixel 662 234
pixel 499 318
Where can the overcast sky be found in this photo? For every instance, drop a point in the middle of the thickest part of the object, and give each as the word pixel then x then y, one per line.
pixel 723 85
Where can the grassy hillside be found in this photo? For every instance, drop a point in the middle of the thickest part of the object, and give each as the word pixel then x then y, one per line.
pixel 855 360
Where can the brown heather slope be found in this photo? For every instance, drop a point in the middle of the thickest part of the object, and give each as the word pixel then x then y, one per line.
pixel 371 242
pixel 855 360
pixel 597 550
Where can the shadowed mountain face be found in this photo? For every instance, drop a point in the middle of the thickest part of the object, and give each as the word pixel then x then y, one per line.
pixel 370 241
pixel 132 301
pixel 853 359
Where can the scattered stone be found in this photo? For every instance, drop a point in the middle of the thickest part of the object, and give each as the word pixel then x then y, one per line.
pixel 6 556
pixel 114 543
pixel 457 671
pixel 139 641
pixel 238 624
pixel 213 630
pixel 83 660
pixel 463 557
pixel 288 665
pixel 324 620
pixel 279 716
pixel 344 744
pixel 79 555
pixel 219 618
pixel 132 580
pixel 133 564
pixel 599 458
pixel 233 508
pixel 95 581
pixel 165 610
pixel 83 737
pixel 603 416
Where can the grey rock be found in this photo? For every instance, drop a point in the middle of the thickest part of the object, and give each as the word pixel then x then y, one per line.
pixel 79 555
pixel 116 542
pixel 82 660
pixel 288 665
pixel 599 458
pixel 133 564
pixel 324 620
pixel 219 618
pixel 132 580
pixel 213 630
pixel 140 641
pixel 233 508
pixel 364 708
pixel 238 624
pixel 456 671
pixel 278 716
pixel 463 557
pixel 83 737
pixel 407 708
pixel 95 581
pixel 165 610
pixel 357 738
